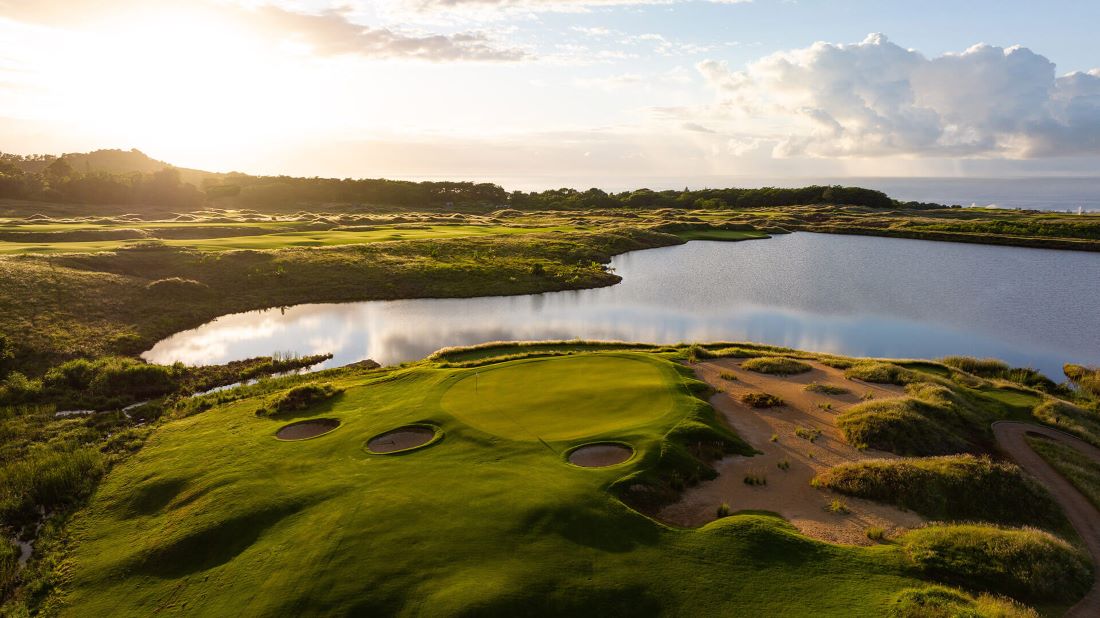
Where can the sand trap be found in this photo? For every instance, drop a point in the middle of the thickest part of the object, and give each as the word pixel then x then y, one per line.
pixel 402 439
pixel 600 455
pixel 304 430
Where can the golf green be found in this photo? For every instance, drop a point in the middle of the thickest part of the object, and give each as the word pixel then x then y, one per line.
pixel 562 398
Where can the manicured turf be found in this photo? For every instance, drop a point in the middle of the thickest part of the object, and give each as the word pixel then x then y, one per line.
pixel 214 516
pixel 720 235
pixel 550 399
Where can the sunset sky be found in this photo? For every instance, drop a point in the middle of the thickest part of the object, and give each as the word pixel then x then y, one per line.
pixel 568 90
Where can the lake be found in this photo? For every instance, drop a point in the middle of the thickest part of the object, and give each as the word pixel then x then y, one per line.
pixel 851 295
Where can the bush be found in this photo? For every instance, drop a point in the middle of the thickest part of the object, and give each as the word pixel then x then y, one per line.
pixel 961 487
pixel 761 400
pixel 776 365
pixel 881 373
pixel 48 479
pixel 1017 561
pixel 299 398
pixel 943 602
pixel 109 381
pixel 17 389
pixel 906 426
pixel 1085 378
pixel 826 389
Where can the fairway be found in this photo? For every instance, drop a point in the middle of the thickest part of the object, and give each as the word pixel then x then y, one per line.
pixel 564 398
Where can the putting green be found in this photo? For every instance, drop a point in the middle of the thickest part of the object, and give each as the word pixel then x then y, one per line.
pixel 562 398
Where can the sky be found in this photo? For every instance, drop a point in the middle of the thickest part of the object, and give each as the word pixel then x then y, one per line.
pixel 560 92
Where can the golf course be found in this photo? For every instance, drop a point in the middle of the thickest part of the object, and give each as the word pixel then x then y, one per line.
pixel 218 515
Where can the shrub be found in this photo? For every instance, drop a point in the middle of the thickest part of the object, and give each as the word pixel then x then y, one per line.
pixel 906 426
pixel 109 381
pixel 755 478
pixel 776 365
pixel 1010 561
pixel 881 373
pixel 723 511
pixel 48 479
pixel 1085 378
pixel 826 389
pixel 960 487
pixel 876 533
pixel 761 400
pixel 725 375
pixel 807 434
pixel 943 602
pixel 783 465
pixel 299 398
pixel 17 389
pixel 837 507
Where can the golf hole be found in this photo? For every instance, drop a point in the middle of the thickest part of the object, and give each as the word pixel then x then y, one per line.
pixel 403 439
pixel 304 430
pixel 600 455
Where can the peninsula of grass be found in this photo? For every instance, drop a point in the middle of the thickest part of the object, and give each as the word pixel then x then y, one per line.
pixel 776 365
pixel 953 488
pixel 232 522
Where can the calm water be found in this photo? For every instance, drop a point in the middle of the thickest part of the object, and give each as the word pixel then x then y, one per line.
pixel 851 295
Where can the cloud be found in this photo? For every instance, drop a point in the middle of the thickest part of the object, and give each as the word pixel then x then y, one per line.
pixel 333 33
pixel 537 5
pixel 875 98
pixel 328 32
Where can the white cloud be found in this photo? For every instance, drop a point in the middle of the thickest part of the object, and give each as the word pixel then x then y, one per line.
pixel 876 98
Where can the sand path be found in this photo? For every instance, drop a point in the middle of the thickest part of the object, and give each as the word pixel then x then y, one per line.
pixel 788 492
pixel 1081 513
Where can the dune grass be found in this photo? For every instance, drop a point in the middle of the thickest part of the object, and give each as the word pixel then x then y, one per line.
pixel 776 365
pixel 826 389
pixel 1071 418
pixel 944 602
pixel 906 426
pixel 954 488
pixel 1083 472
pixel 761 400
pixel 1029 563
pixel 880 373
pixel 216 517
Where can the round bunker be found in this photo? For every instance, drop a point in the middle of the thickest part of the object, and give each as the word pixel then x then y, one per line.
pixel 563 398
pixel 600 455
pixel 304 430
pixel 403 439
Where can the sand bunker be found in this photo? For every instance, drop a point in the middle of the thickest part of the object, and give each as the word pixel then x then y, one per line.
pixel 402 439
pixel 303 430
pixel 600 455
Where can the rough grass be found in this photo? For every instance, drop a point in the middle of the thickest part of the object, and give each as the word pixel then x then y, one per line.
pixel 776 365
pixel 955 488
pixel 299 398
pixel 1028 563
pixel 826 389
pixel 1079 421
pixel 906 426
pixel 761 400
pixel 1083 472
pixel 944 602
pixel 881 373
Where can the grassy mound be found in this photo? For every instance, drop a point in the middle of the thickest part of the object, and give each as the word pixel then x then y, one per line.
pixel 301 397
pixel 881 373
pixel 906 426
pixel 776 365
pixel 1083 472
pixel 943 602
pixel 1021 562
pixel 961 487
pixel 1079 421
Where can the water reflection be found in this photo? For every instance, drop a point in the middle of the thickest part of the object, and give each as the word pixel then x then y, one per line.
pixel 845 294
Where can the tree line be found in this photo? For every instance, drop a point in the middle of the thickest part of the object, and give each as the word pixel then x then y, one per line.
pixel 57 181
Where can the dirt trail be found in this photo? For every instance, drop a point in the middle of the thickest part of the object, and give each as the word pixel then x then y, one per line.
pixel 1081 513
pixel 788 492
